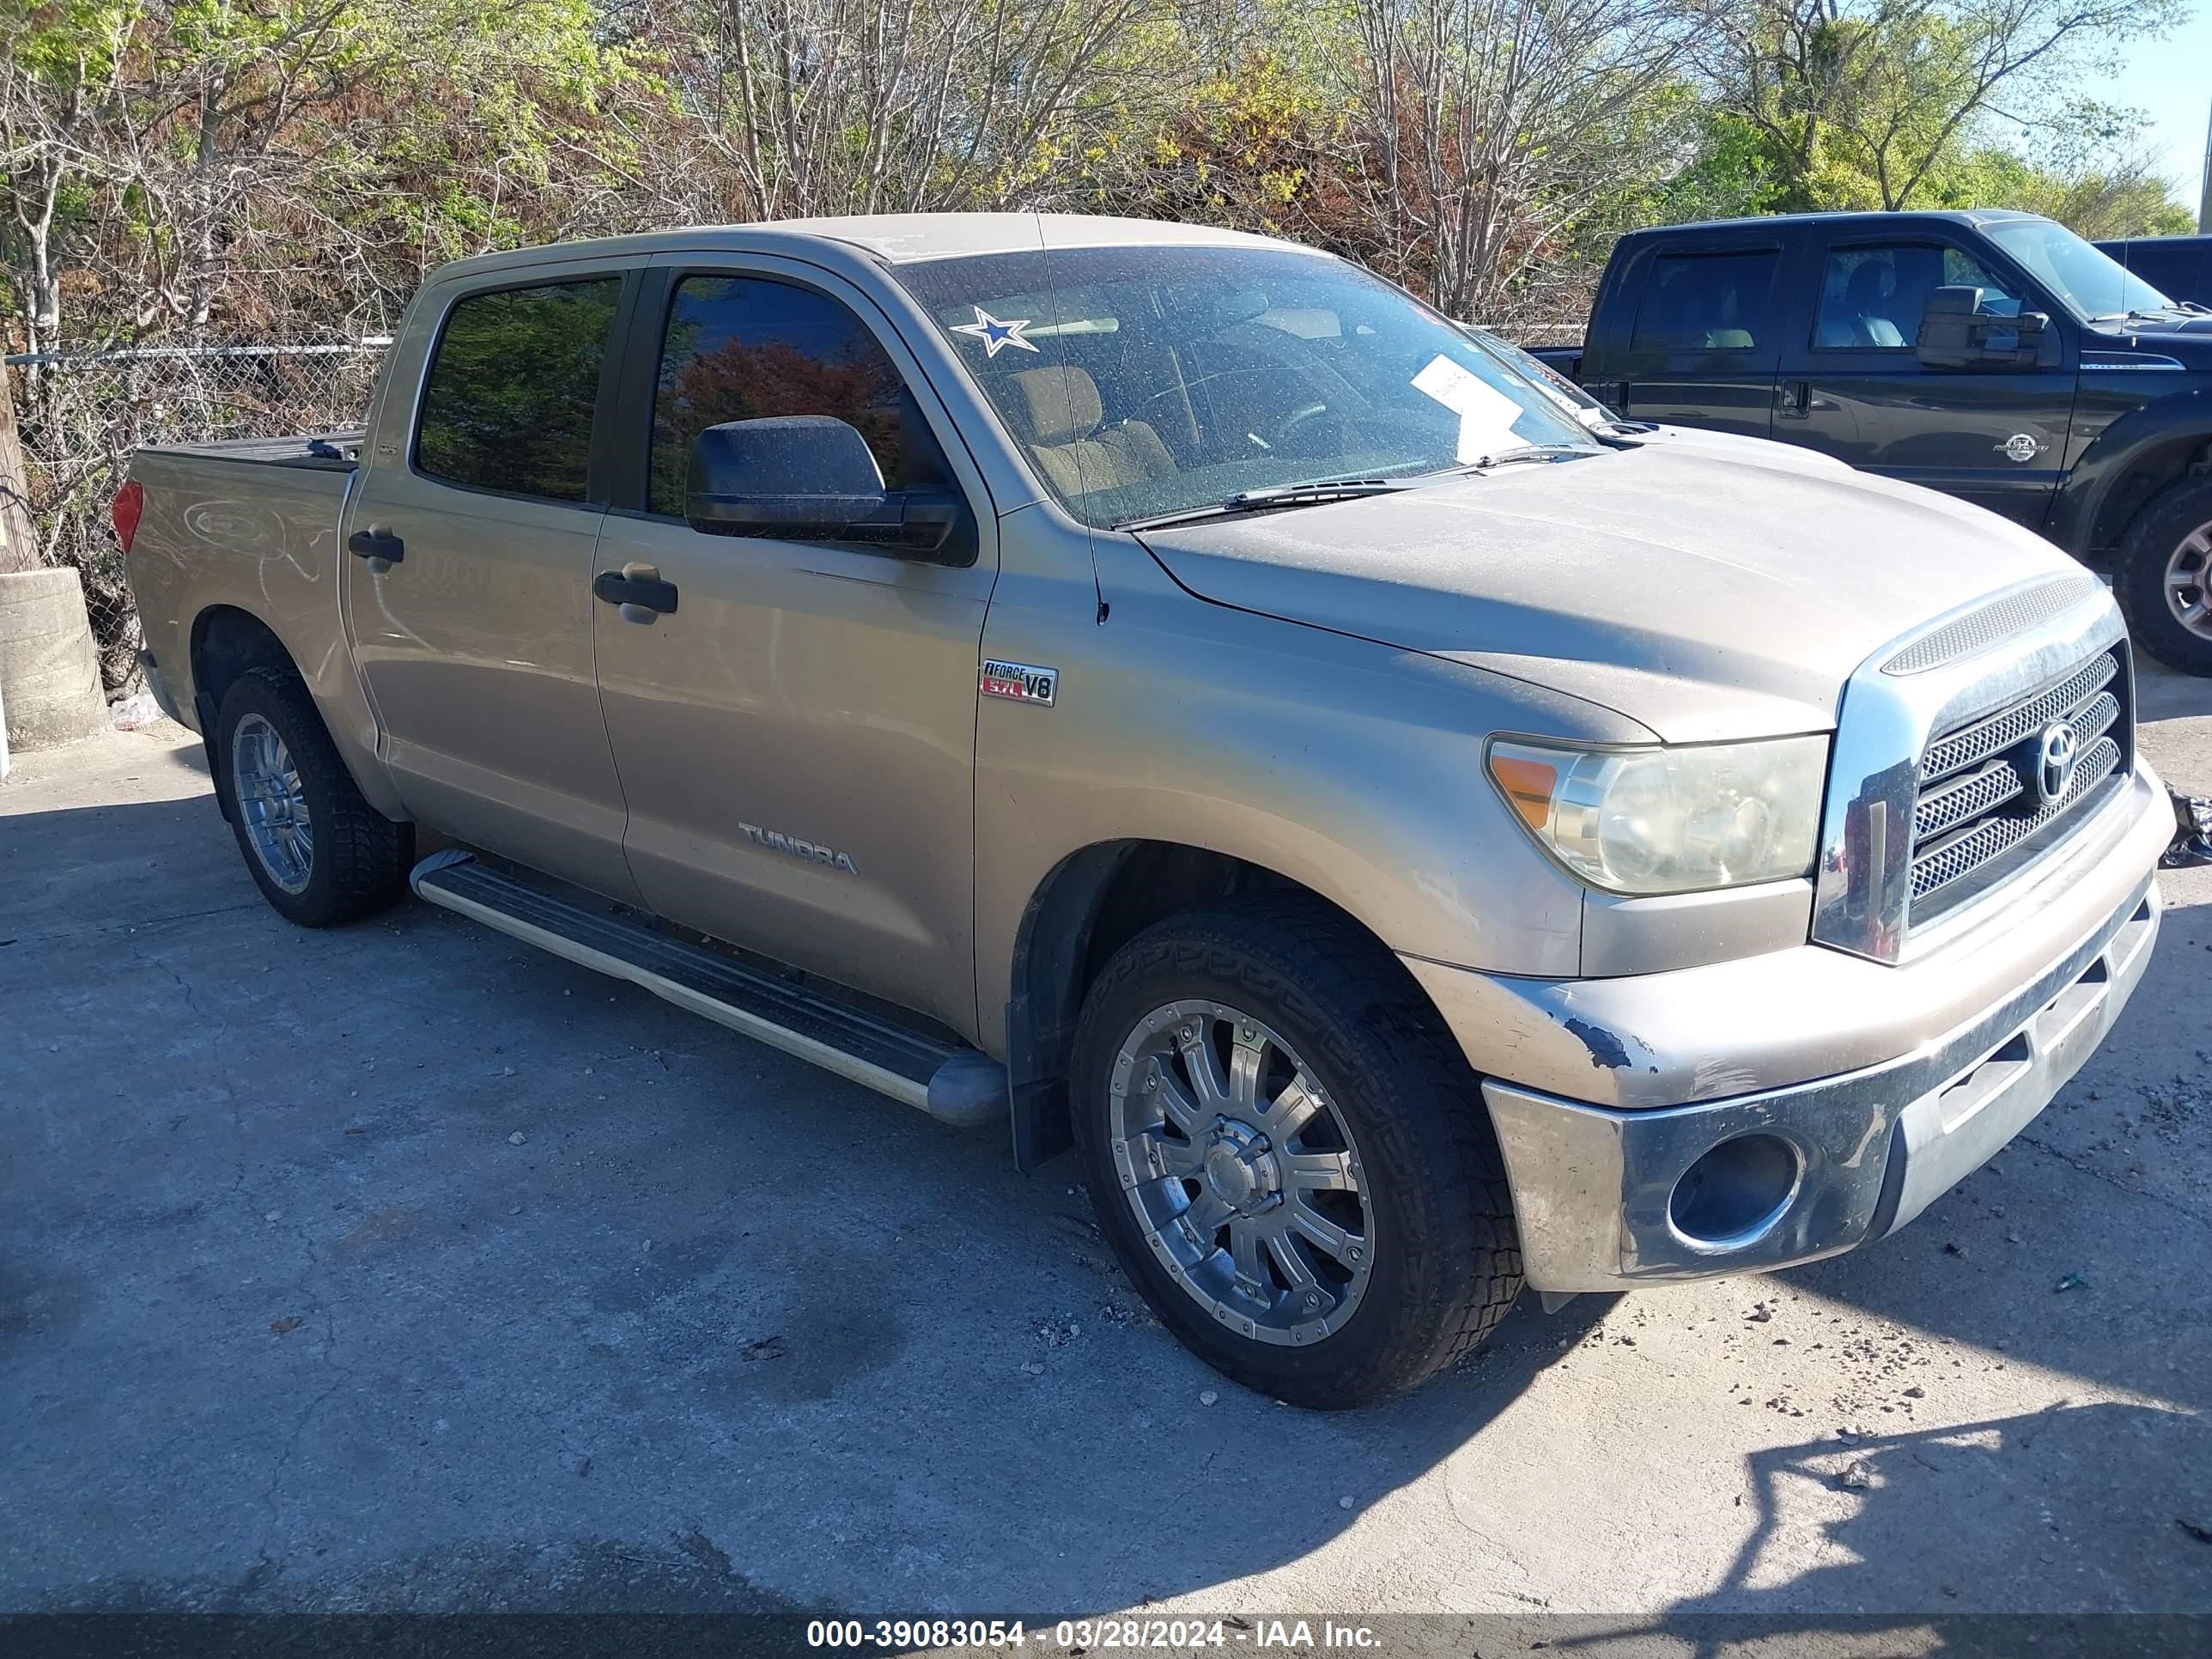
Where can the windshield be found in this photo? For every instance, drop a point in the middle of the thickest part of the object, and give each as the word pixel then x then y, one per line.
pixel 1542 375
pixel 2094 284
pixel 1145 381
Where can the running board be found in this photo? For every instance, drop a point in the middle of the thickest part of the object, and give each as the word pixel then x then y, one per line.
pixel 960 1085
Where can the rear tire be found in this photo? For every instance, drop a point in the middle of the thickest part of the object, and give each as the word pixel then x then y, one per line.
pixel 1336 1108
pixel 2163 579
pixel 320 854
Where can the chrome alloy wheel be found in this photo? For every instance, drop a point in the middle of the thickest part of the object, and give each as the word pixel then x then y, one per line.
pixel 273 803
pixel 2189 582
pixel 1244 1177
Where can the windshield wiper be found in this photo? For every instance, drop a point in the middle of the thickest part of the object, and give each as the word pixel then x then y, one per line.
pixel 1260 500
pixel 1532 453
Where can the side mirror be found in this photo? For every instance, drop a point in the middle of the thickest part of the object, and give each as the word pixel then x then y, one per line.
pixel 1955 332
pixel 807 478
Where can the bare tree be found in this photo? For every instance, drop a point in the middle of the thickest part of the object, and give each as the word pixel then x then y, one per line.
pixel 825 106
pixel 1484 128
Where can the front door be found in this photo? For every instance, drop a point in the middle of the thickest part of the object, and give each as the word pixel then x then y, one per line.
pixel 1857 389
pixel 796 739
pixel 475 636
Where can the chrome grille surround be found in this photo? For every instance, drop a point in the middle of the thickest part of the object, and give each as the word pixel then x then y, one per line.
pixel 1985 625
pixel 1927 807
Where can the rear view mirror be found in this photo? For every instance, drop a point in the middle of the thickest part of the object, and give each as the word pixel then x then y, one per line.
pixel 1955 332
pixel 807 478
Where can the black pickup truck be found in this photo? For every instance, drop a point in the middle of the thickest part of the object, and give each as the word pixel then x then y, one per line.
pixel 1994 355
pixel 2180 267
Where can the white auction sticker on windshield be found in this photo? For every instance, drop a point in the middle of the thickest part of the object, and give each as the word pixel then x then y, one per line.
pixel 1485 414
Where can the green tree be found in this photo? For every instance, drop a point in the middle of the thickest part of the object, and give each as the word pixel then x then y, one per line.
pixel 1887 103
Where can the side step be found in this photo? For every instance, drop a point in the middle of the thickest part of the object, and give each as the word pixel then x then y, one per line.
pixel 960 1085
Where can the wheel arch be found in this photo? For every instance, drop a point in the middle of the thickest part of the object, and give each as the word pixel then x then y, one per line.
pixel 2131 464
pixel 1089 905
pixel 226 641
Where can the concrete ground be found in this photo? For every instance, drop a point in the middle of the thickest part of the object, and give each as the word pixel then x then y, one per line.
pixel 401 1267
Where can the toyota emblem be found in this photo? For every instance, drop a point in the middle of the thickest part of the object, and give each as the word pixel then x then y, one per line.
pixel 2055 753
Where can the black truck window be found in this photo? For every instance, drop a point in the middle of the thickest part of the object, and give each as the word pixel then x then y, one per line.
pixel 508 402
pixel 1871 298
pixel 1698 302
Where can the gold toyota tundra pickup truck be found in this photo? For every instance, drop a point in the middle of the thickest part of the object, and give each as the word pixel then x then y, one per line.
pixel 1172 694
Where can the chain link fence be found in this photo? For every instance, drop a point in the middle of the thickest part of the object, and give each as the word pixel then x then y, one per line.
pixel 81 416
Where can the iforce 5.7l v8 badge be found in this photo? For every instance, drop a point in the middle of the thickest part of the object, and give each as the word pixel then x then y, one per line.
pixel 1020 682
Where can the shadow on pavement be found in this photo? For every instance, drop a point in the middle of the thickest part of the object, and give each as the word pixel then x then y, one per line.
pixel 400 1267
pixel 1958 1524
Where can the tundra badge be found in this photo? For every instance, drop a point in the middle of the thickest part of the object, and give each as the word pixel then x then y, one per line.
pixel 776 841
pixel 1020 682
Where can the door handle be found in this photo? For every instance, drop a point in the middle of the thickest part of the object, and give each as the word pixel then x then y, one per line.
pixel 637 590
pixel 374 544
pixel 1796 397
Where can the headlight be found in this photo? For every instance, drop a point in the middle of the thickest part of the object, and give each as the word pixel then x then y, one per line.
pixel 1661 820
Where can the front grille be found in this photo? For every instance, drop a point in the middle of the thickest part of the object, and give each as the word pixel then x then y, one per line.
pixel 1980 811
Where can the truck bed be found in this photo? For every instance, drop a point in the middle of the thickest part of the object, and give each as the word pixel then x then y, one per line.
pixel 251 523
pixel 329 452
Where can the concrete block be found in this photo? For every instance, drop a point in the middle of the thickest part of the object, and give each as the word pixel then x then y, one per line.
pixel 49 670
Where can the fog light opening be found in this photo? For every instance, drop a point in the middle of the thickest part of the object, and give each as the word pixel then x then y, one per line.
pixel 1735 1191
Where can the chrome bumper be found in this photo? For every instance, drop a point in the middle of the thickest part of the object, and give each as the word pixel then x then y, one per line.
pixel 1605 1195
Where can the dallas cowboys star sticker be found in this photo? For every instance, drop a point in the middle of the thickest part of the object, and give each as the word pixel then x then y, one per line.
pixel 994 334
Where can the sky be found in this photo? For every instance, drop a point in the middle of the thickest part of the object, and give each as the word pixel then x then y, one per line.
pixel 2171 79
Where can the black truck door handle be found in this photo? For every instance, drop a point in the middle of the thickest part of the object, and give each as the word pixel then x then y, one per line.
pixel 376 545
pixel 1797 398
pixel 637 591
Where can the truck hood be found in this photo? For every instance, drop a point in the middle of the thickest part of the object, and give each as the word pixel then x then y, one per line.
pixel 1705 595
pixel 2186 339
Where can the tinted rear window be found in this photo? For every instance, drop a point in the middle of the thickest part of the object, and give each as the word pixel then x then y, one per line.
pixel 512 388
pixel 1706 303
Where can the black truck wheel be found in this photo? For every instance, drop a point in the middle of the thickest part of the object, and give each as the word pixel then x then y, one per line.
pixel 1289 1155
pixel 2164 578
pixel 320 853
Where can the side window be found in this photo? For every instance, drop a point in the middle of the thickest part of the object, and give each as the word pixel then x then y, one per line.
pixel 508 402
pixel 1704 302
pixel 1872 298
pixel 744 348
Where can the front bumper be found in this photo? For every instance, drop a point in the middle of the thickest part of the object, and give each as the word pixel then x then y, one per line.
pixel 1815 1167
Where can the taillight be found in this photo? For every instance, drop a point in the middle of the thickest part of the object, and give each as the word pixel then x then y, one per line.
pixel 130 504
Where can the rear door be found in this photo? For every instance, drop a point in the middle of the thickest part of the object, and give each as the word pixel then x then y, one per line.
pixel 468 596
pixel 796 737
pixel 1705 342
pixel 1853 386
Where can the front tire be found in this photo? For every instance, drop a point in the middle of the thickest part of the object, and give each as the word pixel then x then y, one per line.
pixel 1290 1156
pixel 2163 580
pixel 320 854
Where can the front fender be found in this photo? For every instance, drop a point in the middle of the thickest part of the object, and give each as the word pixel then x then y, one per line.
pixel 1353 769
pixel 2130 458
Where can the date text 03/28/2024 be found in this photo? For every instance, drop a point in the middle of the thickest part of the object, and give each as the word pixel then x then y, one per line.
pixel 1086 1635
